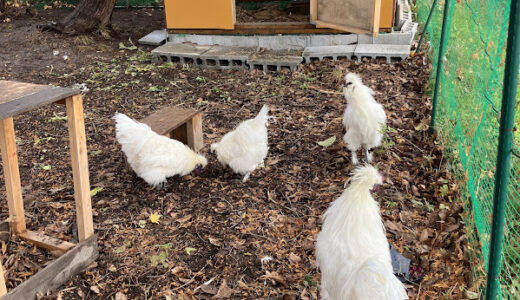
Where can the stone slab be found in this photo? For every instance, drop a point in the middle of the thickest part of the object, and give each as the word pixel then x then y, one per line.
pixel 274 59
pixel 229 52
pixel 379 50
pixel 185 50
pixel 332 52
pixel 154 38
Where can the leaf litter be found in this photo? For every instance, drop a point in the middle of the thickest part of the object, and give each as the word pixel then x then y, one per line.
pixel 229 225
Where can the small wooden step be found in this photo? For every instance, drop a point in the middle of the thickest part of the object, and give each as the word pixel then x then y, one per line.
pixel 184 125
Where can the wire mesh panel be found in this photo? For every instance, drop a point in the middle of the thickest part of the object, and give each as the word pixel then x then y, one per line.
pixel 468 123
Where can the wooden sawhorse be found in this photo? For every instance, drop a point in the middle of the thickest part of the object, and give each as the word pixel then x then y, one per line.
pixel 17 98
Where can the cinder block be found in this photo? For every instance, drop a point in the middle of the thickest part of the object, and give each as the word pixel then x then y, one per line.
pixel 221 57
pixel 394 38
pixel 318 40
pixel 273 62
pixel 390 52
pixel 154 38
pixel 180 53
pixel 311 54
pixel 283 42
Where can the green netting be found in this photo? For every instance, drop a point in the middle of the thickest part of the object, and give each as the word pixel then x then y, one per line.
pixel 468 122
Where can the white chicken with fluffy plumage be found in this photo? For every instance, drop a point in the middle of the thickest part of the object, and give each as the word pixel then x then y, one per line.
pixel 352 251
pixel 154 157
pixel 244 148
pixel 363 119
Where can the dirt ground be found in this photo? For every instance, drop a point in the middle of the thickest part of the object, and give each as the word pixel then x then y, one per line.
pixel 214 227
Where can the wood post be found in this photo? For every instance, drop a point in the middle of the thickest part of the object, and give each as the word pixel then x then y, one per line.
pixel 3 288
pixel 12 175
pixel 194 131
pixel 78 151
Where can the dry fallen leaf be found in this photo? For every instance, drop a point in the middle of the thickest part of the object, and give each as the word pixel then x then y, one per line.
pixel 224 291
pixel 120 296
pixel 154 218
pixel 294 258
pixel 274 276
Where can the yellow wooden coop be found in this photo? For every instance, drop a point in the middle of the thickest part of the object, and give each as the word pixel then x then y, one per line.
pixel 219 17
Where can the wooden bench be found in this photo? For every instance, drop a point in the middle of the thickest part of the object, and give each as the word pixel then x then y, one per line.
pixel 17 98
pixel 184 125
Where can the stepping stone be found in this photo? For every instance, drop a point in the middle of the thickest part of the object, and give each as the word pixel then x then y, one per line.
pixel 180 53
pixel 392 53
pixel 312 54
pixel 154 38
pixel 222 57
pixel 274 62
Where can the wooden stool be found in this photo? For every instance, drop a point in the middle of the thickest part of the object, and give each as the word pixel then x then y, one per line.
pixel 184 125
pixel 17 98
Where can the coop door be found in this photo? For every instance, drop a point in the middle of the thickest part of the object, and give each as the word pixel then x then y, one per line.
pixel 357 16
pixel 200 14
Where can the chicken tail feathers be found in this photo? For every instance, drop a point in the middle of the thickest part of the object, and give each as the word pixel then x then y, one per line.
pixel 375 280
pixel 130 133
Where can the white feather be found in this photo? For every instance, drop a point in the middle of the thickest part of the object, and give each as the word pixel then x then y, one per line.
pixel 352 251
pixel 363 118
pixel 244 148
pixel 154 157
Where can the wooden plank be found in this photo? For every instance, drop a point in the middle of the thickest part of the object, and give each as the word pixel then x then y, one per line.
pixel 199 14
pixel 46 242
pixel 58 272
pixel 341 28
pixel 376 17
pixel 194 131
pixel 313 11
pixel 3 288
pixel 25 97
pixel 262 28
pixel 12 175
pixel 167 119
pixel 387 14
pixel 180 133
pixel 78 152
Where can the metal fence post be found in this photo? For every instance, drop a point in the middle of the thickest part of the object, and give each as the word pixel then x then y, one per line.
pixel 505 144
pixel 434 5
pixel 442 50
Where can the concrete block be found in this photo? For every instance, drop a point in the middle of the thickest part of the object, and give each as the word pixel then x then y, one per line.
pixel 312 54
pixel 222 57
pixel 394 38
pixel 180 53
pixel 273 62
pixel 390 52
pixel 317 40
pixel 154 38
pixel 283 42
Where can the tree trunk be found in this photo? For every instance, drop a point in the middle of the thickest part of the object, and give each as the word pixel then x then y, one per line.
pixel 89 15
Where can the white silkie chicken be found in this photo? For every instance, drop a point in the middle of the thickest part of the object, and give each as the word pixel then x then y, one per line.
pixel 352 251
pixel 154 157
pixel 363 118
pixel 244 148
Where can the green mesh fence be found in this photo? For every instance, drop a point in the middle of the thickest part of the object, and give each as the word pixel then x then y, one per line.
pixel 468 122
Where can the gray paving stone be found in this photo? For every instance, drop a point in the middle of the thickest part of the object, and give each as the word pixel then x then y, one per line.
pixel 390 52
pixel 180 53
pixel 311 54
pixel 393 38
pixel 273 62
pixel 227 57
pixel 154 38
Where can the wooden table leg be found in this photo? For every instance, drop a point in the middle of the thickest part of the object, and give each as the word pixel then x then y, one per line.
pixel 194 131
pixel 12 175
pixel 3 288
pixel 78 152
